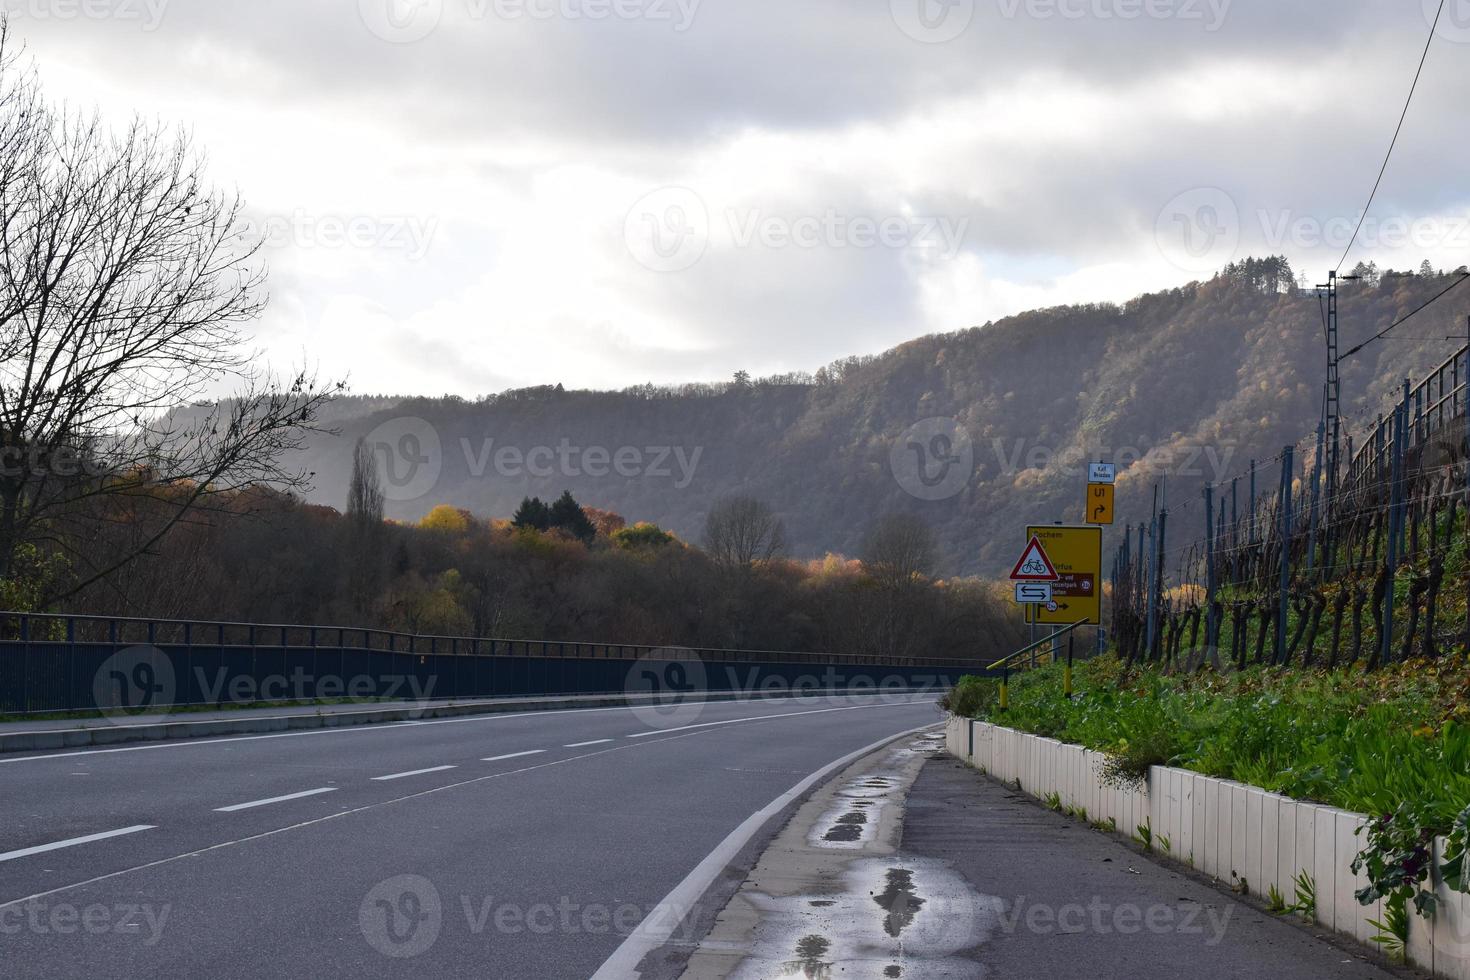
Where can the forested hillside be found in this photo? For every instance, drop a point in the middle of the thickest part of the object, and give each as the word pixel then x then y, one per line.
pixel 1190 383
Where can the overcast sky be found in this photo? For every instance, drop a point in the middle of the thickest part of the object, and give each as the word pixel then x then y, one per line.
pixel 469 195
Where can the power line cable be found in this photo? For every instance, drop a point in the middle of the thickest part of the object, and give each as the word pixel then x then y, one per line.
pixel 1394 142
pixel 1405 318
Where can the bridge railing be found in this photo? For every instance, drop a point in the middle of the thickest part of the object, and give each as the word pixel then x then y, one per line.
pixel 1436 402
pixel 71 628
pixel 56 662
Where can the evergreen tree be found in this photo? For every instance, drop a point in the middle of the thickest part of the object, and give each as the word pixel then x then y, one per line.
pixel 569 516
pixel 532 513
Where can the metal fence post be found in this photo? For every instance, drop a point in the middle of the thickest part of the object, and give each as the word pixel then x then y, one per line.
pixel 1385 653
pixel 1285 583
pixel 1210 625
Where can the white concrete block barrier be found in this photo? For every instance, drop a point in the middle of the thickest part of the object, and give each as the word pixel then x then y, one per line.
pixel 1231 831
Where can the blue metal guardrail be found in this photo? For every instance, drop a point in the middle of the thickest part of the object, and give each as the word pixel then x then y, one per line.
pixel 60 662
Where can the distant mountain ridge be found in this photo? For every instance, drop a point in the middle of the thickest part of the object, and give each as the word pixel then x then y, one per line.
pixel 978 432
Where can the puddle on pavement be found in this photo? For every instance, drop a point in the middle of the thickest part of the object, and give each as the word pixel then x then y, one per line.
pixel 899 901
pixel 913 919
pixel 856 810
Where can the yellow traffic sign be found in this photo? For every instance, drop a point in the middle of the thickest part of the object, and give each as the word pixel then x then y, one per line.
pixel 1077 595
pixel 1100 503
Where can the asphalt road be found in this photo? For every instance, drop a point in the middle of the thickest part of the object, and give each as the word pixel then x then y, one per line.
pixel 501 846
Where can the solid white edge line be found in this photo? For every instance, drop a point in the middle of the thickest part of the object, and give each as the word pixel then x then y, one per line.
pixel 415 772
pixel 583 745
pixel 72 842
pixel 513 755
pixel 789 714
pixel 666 917
pixel 275 799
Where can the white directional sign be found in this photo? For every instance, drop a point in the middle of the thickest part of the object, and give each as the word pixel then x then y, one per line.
pixel 1102 472
pixel 1033 593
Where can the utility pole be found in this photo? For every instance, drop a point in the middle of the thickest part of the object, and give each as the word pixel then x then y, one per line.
pixel 1333 413
pixel 1316 489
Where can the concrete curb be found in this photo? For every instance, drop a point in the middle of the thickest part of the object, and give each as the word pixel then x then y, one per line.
pixel 103 734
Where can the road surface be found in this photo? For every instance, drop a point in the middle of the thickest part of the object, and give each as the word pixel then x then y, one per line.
pixel 490 846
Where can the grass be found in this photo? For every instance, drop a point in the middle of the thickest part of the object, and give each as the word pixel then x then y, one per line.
pixel 1362 742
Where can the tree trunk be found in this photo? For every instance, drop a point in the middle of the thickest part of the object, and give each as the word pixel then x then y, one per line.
pixel 1301 606
pixel 1339 603
pixel 1264 611
pixel 1431 605
pixel 1380 589
pixel 1360 598
pixel 1416 596
pixel 1318 604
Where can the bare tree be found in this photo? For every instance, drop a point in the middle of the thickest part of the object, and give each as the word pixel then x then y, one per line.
pixel 365 491
pixel 124 284
pixel 901 613
pixel 899 551
pixel 743 531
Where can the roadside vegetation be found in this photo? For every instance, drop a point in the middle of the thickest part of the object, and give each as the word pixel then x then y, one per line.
pixel 1393 744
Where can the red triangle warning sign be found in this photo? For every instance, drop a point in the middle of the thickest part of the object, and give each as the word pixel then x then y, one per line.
pixel 1034 565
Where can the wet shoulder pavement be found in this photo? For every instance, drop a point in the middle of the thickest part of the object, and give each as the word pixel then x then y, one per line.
pixel 911 865
pixel 1075 902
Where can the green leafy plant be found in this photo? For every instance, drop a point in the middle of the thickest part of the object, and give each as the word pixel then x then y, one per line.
pixel 1393 928
pixel 1275 901
pixel 1396 861
pixel 1166 843
pixel 1306 896
pixel 1144 834
pixel 1053 801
